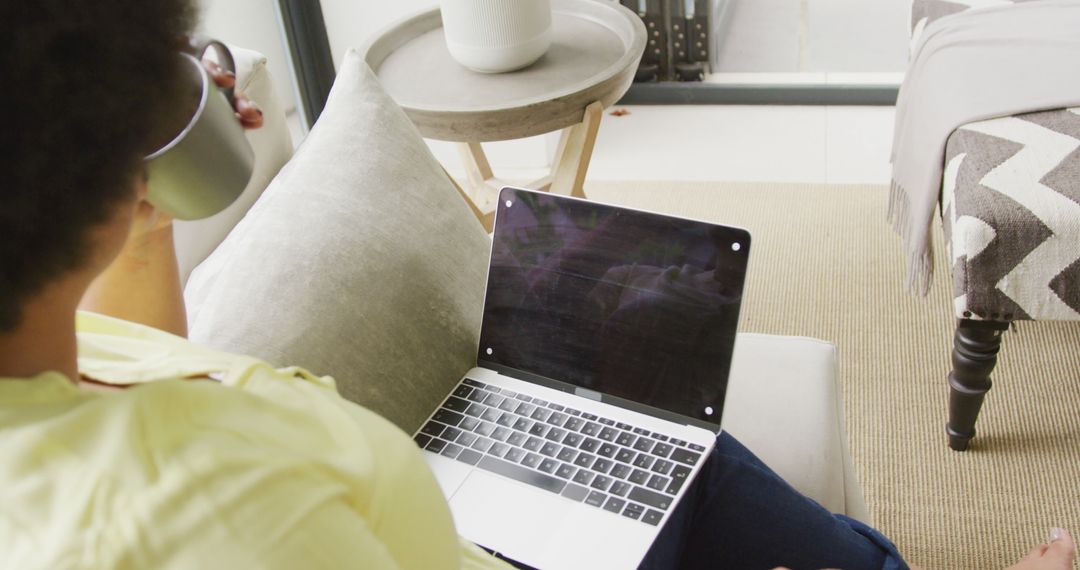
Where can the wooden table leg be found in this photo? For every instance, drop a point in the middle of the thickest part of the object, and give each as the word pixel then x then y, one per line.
pixel 574 153
pixel 486 219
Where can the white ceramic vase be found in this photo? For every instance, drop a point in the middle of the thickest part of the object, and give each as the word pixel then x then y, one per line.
pixel 493 36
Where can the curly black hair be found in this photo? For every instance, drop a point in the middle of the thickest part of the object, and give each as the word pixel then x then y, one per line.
pixel 86 85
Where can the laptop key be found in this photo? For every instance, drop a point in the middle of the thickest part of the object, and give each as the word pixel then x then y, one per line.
pixel 524 409
pixel 478 396
pixel 644 444
pixel 514 455
pixel 557 419
pixel 447 417
pixel 524 398
pixel 662 466
pixel 685 456
pixel 482 444
pixel 540 414
pixel 608 434
pixel 475 410
pixel 473 383
pixel 491 415
pixel 573 424
pixel 657 482
pixel 650 498
pixel 452 450
pixel 590 428
pixel 636 515
pixel 500 434
pixel 662 449
pixel 422 439
pixel 508 393
pixel 556 407
pixel 697 447
pixel 467 439
pixel 590 445
pixel 602 465
pixel 485 429
pixel 625 439
pixel 549 465
pixel 567 454
pixel 675 486
pixel 550 449
pixel 469 423
pixel 621 471
pixel 595 498
pixel 643 461
pixel 639 476
pixel 508 405
pixel 451 434
pixel 607 450
pixel 614 504
pixel 494 400
pixel 499 449
pixel 652 517
pixel 555 434
pixel 622 426
pixel 522 424
pixel 601 482
pixel 469 456
pixel 519 473
pixel 680 473
pixel 516 438
pixel 619 488
pixel 660 436
pixel 531 460
pixel 583 477
pixel 435 446
pixel 678 442
pixel 584 460
pixel 626 456
pixel 533 443
pixel 434 429
pixel 573 412
pixel 588 416
pixel 606 421
pixel 566 471
pixel 572 439
pixel 539 429
pixel 575 492
pixel 634 507
pixel 462 391
pixel 540 402
pixel 640 431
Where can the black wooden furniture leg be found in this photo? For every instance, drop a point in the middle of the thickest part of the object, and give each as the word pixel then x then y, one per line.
pixel 975 349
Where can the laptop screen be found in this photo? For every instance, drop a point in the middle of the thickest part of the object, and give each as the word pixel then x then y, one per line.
pixel 636 306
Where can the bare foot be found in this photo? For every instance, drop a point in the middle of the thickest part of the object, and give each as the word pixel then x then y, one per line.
pixel 1057 555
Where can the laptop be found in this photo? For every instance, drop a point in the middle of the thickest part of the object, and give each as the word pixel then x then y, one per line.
pixel 603 362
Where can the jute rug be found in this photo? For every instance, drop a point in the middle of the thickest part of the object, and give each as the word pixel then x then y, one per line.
pixel 825 264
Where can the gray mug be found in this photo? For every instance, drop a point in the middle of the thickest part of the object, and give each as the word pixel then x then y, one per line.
pixel 206 166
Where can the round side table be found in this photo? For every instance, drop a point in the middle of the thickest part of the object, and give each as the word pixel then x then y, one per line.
pixel 594 54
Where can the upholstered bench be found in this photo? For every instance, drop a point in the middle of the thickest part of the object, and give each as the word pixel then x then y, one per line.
pixel 361 261
pixel 1010 205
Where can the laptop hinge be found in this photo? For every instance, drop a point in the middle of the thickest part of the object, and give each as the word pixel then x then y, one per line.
pixel 590 394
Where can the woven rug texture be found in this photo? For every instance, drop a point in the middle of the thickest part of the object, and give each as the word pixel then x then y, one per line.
pixel 825 264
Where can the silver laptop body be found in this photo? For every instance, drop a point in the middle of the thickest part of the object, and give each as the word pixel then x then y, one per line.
pixel 604 353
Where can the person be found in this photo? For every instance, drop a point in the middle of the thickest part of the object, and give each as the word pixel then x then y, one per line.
pixel 122 445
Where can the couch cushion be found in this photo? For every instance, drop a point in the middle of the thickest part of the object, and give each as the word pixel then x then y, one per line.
pixel 783 404
pixel 273 147
pixel 360 261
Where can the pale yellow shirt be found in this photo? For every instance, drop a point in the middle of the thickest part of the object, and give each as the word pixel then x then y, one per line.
pixel 266 469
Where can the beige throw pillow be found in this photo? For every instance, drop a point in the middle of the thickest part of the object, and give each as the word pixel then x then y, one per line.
pixel 360 261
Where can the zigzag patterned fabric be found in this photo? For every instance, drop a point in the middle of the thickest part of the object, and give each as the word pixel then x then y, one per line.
pixel 1010 205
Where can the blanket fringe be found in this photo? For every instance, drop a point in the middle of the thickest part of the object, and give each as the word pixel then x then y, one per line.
pixel 920 263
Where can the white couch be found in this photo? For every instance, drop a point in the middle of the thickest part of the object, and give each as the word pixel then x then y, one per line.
pixel 783 401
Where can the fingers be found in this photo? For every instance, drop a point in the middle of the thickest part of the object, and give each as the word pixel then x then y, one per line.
pixel 222 77
pixel 248 113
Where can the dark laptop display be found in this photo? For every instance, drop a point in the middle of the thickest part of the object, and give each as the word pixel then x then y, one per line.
pixel 632 305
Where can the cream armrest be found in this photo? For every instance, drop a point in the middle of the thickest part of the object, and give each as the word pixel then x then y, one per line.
pixel 783 403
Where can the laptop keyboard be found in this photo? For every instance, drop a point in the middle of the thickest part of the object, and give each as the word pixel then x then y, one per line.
pixel 586 458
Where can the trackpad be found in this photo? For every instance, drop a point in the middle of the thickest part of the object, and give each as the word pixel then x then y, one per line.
pixel 510 517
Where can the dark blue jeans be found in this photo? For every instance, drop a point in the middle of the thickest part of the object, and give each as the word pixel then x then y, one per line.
pixel 738 514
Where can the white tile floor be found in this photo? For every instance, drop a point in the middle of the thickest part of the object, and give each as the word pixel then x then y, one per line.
pixel 716 143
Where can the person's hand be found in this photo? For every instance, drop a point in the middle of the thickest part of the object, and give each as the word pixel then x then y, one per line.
pixel 1057 554
pixel 247 112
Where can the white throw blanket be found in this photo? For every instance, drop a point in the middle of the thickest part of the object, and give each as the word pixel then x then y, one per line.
pixel 974 65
